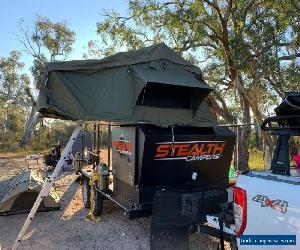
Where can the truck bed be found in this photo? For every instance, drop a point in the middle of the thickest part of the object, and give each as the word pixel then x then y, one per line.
pixel 273 204
pixel 294 178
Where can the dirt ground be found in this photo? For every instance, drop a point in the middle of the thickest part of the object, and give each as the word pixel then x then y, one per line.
pixel 68 228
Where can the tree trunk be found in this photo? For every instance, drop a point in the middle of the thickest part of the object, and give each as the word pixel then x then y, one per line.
pixel 268 149
pixel 32 120
pixel 220 111
pixel 258 137
pixel 243 154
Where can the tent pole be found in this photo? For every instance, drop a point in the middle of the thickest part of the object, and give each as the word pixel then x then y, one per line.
pixel 46 187
pixel 98 139
pixel 82 148
pixel 109 144
pixel 95 138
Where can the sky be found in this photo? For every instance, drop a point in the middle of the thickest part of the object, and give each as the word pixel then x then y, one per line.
pixel 81 16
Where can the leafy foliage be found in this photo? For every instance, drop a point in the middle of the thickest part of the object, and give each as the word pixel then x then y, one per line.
pixel 253 42
pixel 13 99
pixel 251 48
pixel 47 39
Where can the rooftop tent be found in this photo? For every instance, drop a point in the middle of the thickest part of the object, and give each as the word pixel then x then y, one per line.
pixel 150 85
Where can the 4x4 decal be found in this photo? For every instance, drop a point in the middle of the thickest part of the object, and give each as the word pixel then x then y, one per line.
pixel 279 205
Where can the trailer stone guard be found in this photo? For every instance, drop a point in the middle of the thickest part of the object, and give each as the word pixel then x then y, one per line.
pixel 169 156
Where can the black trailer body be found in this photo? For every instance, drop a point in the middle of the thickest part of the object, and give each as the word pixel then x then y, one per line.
pixel 147 158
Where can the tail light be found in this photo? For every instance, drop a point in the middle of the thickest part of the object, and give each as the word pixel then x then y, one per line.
pixel 240 210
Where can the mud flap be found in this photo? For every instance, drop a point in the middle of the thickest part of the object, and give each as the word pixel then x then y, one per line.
pixel 174 212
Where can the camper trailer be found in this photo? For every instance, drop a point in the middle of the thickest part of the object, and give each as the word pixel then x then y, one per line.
pixel 169 157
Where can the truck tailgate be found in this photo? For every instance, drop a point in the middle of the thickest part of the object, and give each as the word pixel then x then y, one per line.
pixel 273 205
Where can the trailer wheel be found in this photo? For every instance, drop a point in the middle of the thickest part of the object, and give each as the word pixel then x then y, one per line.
pixel 98 203
pixel 86 193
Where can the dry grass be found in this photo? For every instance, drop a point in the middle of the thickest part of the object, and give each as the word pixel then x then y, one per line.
pixel 256 160
pixel 68 228
pixel 21 153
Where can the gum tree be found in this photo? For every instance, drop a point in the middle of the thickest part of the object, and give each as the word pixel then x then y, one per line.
pixel 248 49
pixel 45 41
pixel 13 99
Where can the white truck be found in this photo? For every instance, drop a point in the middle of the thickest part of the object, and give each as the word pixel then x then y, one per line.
pixel 267 204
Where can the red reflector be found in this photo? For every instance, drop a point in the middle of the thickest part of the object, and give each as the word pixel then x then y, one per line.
pixel 240 210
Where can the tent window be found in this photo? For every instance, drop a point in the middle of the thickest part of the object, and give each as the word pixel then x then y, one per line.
pixel 165 96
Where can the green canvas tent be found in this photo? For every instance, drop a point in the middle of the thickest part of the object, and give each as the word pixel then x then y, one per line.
pixel 151 85
pixel 18 194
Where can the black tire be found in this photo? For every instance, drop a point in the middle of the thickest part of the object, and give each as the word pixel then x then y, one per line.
pixel 233 243
pixel 86 194
pixel 98 203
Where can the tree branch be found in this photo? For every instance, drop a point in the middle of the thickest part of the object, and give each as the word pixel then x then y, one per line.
pixel 297 4
pixel 220 111
pixel 228 11
pixel 29 49
pixel 193 44
pixel 289 57
pixel 216 7
pixel 29 94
